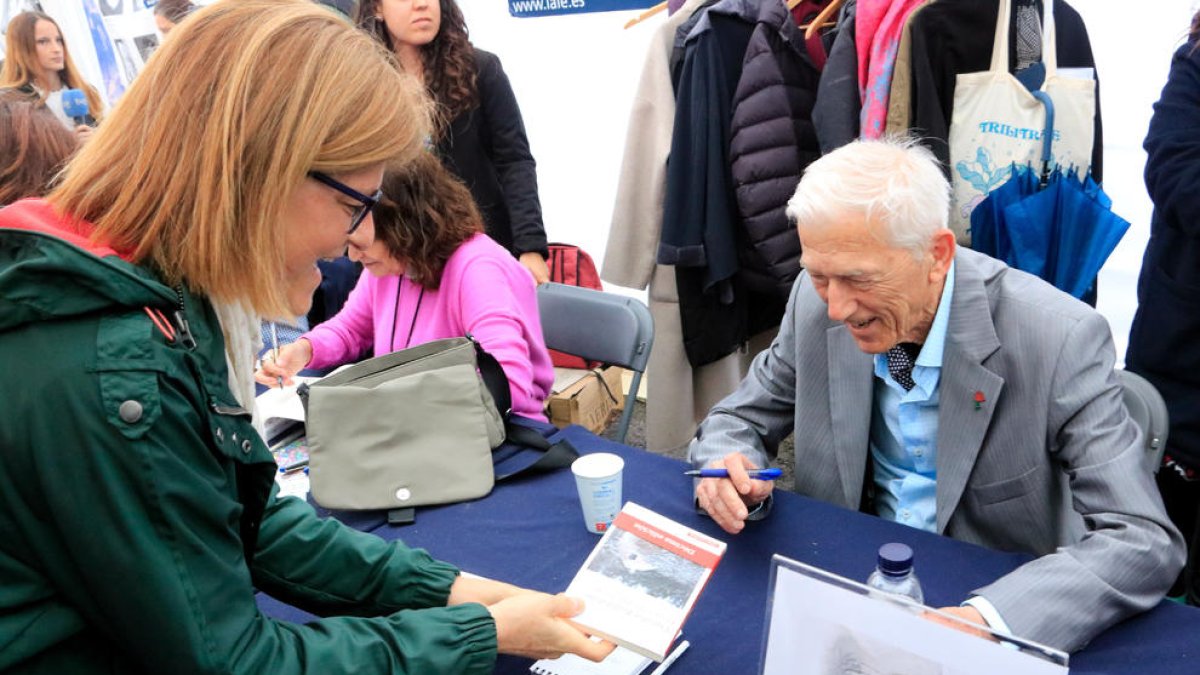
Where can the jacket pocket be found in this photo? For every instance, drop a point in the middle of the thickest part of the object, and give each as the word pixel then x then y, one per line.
pixel 1164 334
pixel 131 400
pixel 1005 490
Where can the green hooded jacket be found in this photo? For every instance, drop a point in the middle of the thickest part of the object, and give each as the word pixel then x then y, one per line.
pixel 137 508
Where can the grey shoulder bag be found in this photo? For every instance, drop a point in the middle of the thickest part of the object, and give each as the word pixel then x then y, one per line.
pixel 413 428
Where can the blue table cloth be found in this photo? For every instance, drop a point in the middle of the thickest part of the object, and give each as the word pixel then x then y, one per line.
pixel 530 532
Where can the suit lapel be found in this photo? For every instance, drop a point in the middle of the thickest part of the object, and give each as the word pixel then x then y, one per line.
pixel 970 340
pixel 850 380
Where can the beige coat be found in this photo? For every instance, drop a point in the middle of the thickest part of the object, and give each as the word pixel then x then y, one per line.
pixel 900 96
pixel 678 396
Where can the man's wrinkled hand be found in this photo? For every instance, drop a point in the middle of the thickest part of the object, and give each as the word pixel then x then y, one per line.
pixel 729 500
pixel 967 613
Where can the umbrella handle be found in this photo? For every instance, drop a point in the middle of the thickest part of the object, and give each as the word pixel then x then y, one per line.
pixel 1047 135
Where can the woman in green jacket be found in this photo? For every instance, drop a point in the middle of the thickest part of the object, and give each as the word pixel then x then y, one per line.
pixel 137 509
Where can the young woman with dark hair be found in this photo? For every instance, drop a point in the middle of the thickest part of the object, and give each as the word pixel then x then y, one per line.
pixel 479 133
pixel 431 273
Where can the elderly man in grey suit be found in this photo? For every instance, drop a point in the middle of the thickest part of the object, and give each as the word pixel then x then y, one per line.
pixel 938 388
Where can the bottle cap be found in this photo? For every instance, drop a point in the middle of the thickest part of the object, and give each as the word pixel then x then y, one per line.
pixel 895 559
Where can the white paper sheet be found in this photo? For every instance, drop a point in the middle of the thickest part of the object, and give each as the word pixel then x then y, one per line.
pixel 822 628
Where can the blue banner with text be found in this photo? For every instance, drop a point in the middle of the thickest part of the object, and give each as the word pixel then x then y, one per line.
pixel 524 9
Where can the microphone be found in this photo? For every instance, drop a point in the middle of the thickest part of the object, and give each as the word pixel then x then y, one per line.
pixel 75 105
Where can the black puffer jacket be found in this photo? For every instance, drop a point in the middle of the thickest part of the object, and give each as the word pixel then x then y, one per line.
pixel 702 233
pixel 772 142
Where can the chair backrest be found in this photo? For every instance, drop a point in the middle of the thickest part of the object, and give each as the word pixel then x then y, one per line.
pixel 1149 410
pixel 596 325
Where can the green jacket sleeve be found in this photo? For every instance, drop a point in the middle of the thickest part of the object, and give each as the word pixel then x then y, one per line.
pixel 327 568
pixel 138 529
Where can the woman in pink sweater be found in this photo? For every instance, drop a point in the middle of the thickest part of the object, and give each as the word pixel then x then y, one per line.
pixel 430 273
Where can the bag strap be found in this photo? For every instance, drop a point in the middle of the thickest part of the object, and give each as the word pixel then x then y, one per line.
pixel 553 455
pixel 493 378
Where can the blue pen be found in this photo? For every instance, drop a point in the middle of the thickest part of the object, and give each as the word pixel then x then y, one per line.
pixel 756 474
pixel 302 464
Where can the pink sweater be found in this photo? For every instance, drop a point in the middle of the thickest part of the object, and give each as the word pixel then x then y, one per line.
pixel 484 292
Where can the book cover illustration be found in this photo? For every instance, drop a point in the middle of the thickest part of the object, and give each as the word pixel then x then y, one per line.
pixel 292 455
pixel 642 580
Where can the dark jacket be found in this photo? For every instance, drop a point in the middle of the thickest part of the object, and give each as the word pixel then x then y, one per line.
pixel 487 148
pixel 949 38
pixel 773 141
pixel 702 234
pixel 685 29
pixel 839 106
pixel 137 509
pixel 1164 342
pixel 700 219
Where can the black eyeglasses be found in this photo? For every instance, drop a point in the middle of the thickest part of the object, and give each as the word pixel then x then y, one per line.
pixel 367 203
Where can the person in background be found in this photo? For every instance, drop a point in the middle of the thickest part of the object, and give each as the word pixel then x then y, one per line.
pixel 168 14
pixel 935 387
pixel 1164 341
pixel 478 131
pixel 342 7
pixel 37 64
pixel 431 273
pixel 138 504
pixel 33 147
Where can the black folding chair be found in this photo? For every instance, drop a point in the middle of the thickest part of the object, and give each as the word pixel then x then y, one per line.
pixel 1149 410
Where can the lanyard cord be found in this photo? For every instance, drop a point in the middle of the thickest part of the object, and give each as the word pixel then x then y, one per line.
pixel 396 316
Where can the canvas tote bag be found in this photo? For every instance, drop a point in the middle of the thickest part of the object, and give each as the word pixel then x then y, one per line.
pixel 410 428
pixel 418 427
pixel 997 122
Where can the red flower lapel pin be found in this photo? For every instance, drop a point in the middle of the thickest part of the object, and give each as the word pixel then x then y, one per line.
pixel 979 399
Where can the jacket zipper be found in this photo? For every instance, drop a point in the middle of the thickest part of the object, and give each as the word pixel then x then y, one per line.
pixel 181 322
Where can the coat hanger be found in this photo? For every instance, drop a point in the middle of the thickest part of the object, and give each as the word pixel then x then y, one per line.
pixel 646 15
pixel 822 20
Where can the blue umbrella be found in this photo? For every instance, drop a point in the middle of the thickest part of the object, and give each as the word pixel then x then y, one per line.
pixel 1059 227
pixel 987 230
pixel 1064 233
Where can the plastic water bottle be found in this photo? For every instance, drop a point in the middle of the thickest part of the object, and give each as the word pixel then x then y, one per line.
pixel 894 573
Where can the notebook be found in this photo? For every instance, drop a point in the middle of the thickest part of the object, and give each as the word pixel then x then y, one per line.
pixel 281 410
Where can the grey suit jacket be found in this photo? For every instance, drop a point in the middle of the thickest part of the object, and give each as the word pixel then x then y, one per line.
pixel 1051 463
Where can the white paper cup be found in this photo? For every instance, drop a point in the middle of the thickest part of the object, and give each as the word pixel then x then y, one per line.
pixel 598 478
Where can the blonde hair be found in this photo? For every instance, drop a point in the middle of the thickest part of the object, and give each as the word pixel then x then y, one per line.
pixel 192 170
pixel 21 62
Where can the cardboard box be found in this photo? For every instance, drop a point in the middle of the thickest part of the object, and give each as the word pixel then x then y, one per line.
pixel 592 401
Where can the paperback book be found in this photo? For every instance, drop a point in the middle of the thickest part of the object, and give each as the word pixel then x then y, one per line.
pixel 641 581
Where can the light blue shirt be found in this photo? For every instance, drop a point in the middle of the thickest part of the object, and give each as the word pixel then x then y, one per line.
pixel 904 426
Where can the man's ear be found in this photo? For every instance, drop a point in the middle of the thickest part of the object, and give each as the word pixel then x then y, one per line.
pixel 942 251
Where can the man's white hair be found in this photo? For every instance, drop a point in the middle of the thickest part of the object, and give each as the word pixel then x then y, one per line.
pixel 895 183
